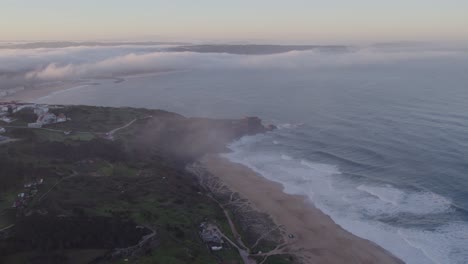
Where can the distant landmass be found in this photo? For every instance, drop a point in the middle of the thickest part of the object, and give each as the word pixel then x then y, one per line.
pixel 66 44
pixel 257 49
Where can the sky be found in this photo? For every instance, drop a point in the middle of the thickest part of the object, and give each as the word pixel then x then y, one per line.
pixel 275 21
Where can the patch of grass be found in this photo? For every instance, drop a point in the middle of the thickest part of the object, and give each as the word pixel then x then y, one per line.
pixel 7 218
pixel 7 199
pixel 230 254
pixel 82 136
pixel 44 135
pixel 172 252
pixel 121 169
pixel 96 119
pixel 106 170
pixel 280 259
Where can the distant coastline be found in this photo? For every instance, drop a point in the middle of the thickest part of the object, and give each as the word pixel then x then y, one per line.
pixel 43 91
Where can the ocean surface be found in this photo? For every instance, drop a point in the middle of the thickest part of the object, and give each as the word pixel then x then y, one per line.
pixel 380 147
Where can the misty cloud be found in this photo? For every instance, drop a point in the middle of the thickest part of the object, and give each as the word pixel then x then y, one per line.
pixel 21 67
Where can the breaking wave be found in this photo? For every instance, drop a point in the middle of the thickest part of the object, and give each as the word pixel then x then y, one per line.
pixel 377 211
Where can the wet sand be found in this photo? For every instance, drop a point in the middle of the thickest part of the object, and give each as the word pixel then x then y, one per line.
pixel 317 239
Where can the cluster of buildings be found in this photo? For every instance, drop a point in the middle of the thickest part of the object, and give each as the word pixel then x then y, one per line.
pixel 30 190
pixel 211 236
pixel 5 110
pixel 44 117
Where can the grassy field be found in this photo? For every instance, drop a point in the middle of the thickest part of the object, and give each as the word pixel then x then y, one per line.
pixel 109 180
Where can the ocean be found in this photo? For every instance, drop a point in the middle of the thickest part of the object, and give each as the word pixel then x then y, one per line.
pixel 381 147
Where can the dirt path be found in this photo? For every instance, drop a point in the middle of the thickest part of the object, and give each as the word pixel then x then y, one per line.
pixel 57 183
pixel 5 228
pixel 111 133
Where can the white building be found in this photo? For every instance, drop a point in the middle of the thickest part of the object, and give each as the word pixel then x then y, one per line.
pixel 216 248
pixel 61 118
pixel 2 130
pixel 48 118
pixel 41 110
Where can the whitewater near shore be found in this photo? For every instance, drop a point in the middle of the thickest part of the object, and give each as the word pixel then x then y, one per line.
pixel 309 234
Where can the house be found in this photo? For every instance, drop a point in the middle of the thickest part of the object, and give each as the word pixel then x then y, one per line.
pixel 211 235
pixel 61 118
pixel 2 130
pixel 41 110
pixel 33 184
pixel 216 248
pixel 47 118
pixel 17 204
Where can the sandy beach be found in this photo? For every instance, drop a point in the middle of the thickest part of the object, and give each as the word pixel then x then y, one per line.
pixel 31 94
pixel 34 93
pixel 317 239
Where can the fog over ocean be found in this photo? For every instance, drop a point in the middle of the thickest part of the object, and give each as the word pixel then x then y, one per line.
pixel 376 137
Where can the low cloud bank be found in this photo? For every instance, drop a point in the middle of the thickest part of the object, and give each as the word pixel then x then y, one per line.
pixel 23 67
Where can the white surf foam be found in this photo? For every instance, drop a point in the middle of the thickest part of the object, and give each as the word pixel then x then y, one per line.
pixel 356 206
pixel 289 125
pixel 415 202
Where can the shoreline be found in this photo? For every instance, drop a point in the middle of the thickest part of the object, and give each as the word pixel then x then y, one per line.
pixel 33 94
pixel 316 237
pixel 36 93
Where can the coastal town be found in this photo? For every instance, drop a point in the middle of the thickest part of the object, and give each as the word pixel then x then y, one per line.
pixel 44 117
pixel 43 114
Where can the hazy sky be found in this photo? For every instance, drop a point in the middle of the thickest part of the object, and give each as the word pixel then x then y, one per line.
pixel 287 21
